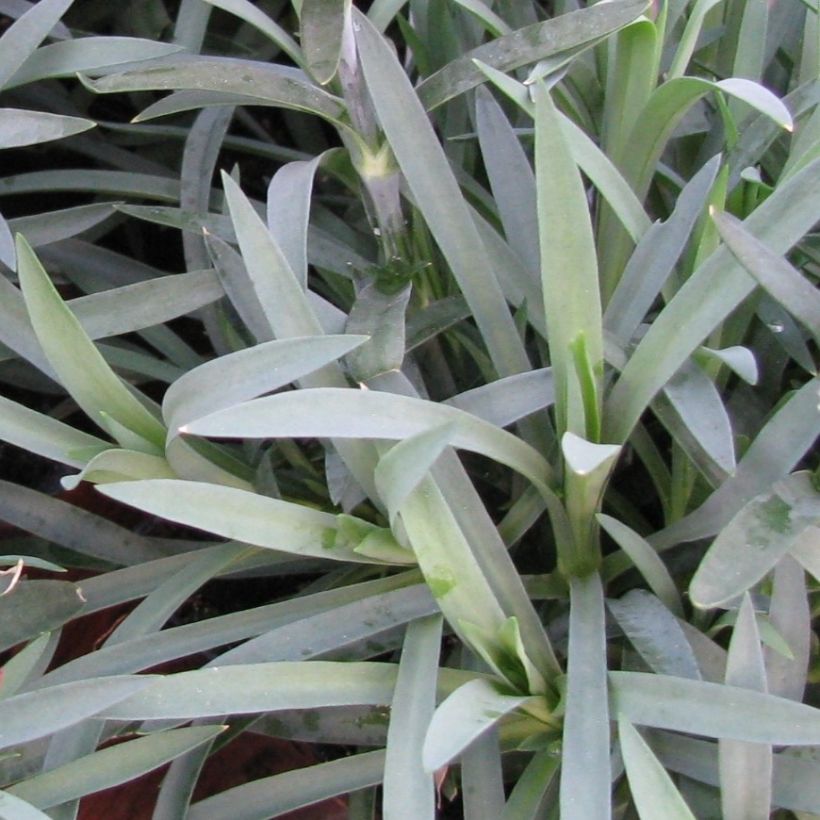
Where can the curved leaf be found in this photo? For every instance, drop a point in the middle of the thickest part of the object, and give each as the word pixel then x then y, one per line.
pixel 19 127
pixel 262 687
pixel 81 367
pixel 245 516
pixel 273 796
pixel 755 540
pixel 27 32
pixel 408 789
pixel 36 714
pixel 262 83
pixel 653 791
pixel 465 715
pixel 712 709
pixel 367 414
pixel 529 45
pixel 69 57
pixel 112 766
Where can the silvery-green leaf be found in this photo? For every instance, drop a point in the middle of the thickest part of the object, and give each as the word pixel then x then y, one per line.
pixel 653 791
pixel 19 128
pixel 655 633
pixel 469 712
pixel 23 36
pixel 755 540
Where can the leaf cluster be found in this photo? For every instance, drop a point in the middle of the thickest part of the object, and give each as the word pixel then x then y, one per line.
pixel 482 337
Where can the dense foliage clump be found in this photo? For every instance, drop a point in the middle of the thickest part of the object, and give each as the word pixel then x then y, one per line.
pixel 432 383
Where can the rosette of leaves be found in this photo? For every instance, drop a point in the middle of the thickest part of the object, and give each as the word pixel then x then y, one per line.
pixel 577 250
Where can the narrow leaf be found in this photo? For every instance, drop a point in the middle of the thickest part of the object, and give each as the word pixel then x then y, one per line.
pixel 437 195
pixel 79 364
pixel 469 712
pixel 408 789
pixel 260 687
pixel 585 766
pixel 713 710
pixel 785 284
pixel 322 26
pixel 36 714
pixel 27 32
pixel 755 540
pixel 258 83
pixel 529 45
pixel 87 54
pixel 345 413
pixel 700 305
pixel 13 808
pixel 653 791
pixel 259 20
pixel 236 377
pixel 46 436
pixel 19 127
pixel 284 793
pixel 572 305
pixel 242 516
pixel 656 634
pixel 34 607
pixel 112 766
pixel 745 768
pixel 646 560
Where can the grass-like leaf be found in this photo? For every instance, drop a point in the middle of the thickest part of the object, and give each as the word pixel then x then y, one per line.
pixel 528 45
pixel 656 634
pixel 323 23
pixel 569 272
pixel 11 806
pixel 785 284
pixel 755 540
pixel 288 212
pixel 145 304
pixel 654 258
pixel 259 20
pixel 75 528
pixel 152 613
pixel 713 710
pixel 511 179
pixel 745 768
pixel 112 766
pixel 232 379
pixel 82 369
pixel 244 516
pixel 264 84
pixel 256 688
pixel 655 795
pixel 24 35
pixel 34 607
pixel 700 305
pixel 469 712
pixel 174 642
pixel 408 789
pixel 46 436
pixel 437 195
pixel 368 624
pixel 790 615
pixel 647 561
pixel 345 413
pixel 795 773
pixel 585 767
pixel 19 127
pixel 273 796
pixel 36 714
pixel 87 54
pixel 52 226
